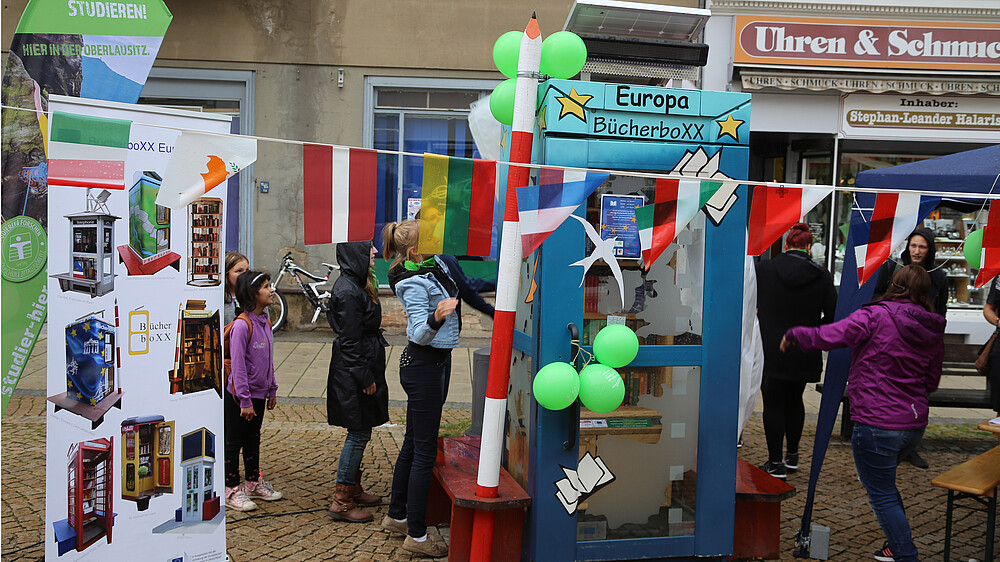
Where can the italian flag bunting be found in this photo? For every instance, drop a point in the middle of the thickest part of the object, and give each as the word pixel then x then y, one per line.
pixel 677 202
pixel 456 206
pixel 774 209
pixel 87 151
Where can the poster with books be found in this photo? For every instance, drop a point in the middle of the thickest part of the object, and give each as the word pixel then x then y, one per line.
pixel 134 456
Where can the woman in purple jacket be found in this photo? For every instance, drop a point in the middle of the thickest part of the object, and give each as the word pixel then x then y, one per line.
pixel 898 347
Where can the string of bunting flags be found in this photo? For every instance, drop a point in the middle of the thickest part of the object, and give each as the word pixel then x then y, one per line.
pixel 459 194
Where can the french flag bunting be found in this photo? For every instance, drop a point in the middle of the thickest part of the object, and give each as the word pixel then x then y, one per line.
pixel 989 264
pixel 775 209
pixel 893 219
pixel 339 188
pixel 542 208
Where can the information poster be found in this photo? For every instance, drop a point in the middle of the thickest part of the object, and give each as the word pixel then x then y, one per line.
pixel 618 222
pixel 134 456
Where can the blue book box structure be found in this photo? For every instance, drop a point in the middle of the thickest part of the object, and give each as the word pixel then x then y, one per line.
pixel 671 446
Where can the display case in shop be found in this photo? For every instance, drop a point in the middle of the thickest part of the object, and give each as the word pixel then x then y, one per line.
pixel 951 228
pixel 204 265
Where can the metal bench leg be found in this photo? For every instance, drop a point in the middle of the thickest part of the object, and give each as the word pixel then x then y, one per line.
pixel 947 526
pixel 991 521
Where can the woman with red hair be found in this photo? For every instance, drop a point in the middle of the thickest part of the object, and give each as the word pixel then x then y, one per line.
pixel 792 290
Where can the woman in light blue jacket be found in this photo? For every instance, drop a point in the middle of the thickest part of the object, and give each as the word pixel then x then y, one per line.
pixel 428 294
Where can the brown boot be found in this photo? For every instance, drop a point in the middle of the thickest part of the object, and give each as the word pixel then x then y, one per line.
pixel 360 496
pixel 343 507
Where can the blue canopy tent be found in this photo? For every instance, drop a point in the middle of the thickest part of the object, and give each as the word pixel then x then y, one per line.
pixel 973 171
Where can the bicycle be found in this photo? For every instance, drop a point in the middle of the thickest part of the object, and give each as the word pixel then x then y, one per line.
pixel 278 312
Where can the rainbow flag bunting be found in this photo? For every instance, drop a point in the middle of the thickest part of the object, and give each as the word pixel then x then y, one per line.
pixel 456 207
pixel 677 202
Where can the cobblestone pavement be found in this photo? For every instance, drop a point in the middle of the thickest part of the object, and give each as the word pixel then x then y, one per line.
pixel 299 458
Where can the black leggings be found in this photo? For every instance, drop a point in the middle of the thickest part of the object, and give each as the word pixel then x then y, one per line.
pixel 242 435
pixel 784 414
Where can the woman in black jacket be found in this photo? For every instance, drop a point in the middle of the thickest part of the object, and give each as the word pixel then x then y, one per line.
pixel 357 395
pixel 792 290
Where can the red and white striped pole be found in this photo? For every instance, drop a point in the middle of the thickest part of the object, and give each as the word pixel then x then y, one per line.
pixel 508 277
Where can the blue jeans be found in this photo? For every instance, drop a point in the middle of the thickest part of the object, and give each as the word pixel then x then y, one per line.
pixel 877 452
pixel 421 377
pixel 350 456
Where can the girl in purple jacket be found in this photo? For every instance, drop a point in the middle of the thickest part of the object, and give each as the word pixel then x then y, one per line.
pixel 251 388
pixel 898 348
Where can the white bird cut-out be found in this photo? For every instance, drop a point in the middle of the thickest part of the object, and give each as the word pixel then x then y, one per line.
pixel 603 250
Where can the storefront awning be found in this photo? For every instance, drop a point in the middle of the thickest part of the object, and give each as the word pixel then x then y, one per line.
pixel 759 79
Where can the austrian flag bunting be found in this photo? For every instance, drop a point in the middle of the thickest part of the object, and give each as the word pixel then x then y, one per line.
pixel 456 206
pixel 87 151
pixel 677 202
pixel 775 209
pixel 339 189
pixel 989 262
pixel 893 219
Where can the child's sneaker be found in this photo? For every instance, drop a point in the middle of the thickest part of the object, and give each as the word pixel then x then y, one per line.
pixel 261 490
pixel 236 499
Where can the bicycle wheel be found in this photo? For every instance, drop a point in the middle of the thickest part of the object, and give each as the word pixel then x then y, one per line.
pixel 278 312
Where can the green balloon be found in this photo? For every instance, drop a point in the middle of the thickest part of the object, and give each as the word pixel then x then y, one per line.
pixel 601 388
pixel 506 51
pixel 563 55
pixel 616 345
pixel 974 248
pixel 556 386
pixel 502 101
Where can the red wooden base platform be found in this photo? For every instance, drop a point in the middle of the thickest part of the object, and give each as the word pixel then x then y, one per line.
pixel 93 413
pixel 133 263
pixel 758 513
pixel 453 498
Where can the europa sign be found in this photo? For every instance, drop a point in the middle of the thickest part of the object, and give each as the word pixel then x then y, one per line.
pixel 870 44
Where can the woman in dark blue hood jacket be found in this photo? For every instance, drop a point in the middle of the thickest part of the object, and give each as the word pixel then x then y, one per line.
pixel 357 397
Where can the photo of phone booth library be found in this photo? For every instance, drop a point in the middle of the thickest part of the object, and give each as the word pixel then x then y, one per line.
pixel 147 459
pixel 148 249
pixel 198 355
pixel 92 235
pixel 201 503
pixel 670 445
pixel 92 387
pixel 89 496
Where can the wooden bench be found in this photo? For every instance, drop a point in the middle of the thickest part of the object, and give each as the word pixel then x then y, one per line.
pixel 453 499
pixel 758 513
pixel 977 479
pixel 958 361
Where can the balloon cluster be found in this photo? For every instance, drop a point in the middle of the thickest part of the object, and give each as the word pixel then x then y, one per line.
pixel 563 56
pixel 598 385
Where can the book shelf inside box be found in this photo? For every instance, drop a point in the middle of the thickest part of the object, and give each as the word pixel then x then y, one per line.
pixel 204 258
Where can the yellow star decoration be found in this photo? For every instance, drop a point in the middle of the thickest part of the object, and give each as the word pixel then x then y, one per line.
pixel 79 396
pixel 86 326
pixel 541 117
pixel 730 127
pixel 73 332
pixel 503 140
pixel 574 105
